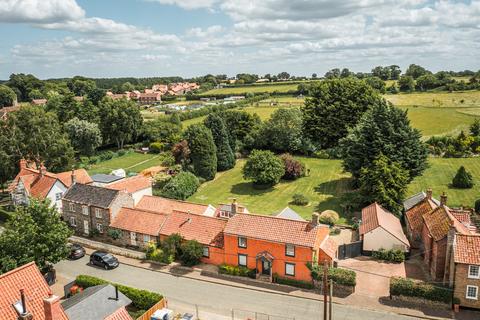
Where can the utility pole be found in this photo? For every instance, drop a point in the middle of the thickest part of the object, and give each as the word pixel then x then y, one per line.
pixel 330 301
pixel 325 288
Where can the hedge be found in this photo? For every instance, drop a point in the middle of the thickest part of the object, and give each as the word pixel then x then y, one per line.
pixel 389 255
pixel 338 275
pixel 293 282
pixel 141 299
pixel 236 271
pixel 410 288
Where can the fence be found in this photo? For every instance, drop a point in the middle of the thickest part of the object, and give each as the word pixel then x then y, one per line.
pixel 159 305
pixel 350 250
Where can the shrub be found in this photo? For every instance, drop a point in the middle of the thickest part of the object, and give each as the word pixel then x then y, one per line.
pixel 463 179
pixel 294 169
pixel 107 155
pixel 236 271
pixel 182 186
pixel 141 299
pixel 410 288
pixel 192 252
pixel 477 206
pixel 167 159
pixel 292 282
pixel 389 255
pixel 299 199
pixel 115 234
pixel 172 244
pixel 329 217
pixel 338 275
pixel 161 179
pixel 156 147
pixel 263 168
pixel 155 253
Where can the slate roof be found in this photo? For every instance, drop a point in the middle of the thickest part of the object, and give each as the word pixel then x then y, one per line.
pixel 132 184
pixel 438 223
pixel 416 198
pixel 139 221
pixel 105 178
pixel 274 229
pixel 28 278
pixel 467 249
pixel 95 303
pixel 415 214
pixel 375 216
pixel 91 195
pixel 166 206
pixel 288 213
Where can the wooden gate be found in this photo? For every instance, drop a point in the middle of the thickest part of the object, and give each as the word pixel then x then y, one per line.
pixel 350 250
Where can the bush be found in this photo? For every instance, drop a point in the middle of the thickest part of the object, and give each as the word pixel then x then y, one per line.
pixel 477 206
pixel 294 169
pixel 463 179
pixel 236 271
pixel 157 254
pixel 299 199
pixel 389 255
pixel 338 275
pixel 329 217
pixel 410 288
pixel 107 155
pixel 156 147
pixel 173 244
pixel 192 252
pixel 141 299
pixel 115 234
pixel 292 282
pixel 182 186
pixel 161 179
pixel 263 168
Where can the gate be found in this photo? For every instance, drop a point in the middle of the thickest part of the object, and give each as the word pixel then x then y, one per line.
pixel 350 250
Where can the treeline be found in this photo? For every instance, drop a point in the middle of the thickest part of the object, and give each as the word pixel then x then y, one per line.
pixel 465 144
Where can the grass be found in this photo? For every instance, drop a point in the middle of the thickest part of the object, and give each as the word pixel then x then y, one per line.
pixel 270 88
pixel 323 187
pixel 458 99
pixel 131 162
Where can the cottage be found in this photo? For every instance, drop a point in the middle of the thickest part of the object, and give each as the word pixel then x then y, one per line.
pixel 380 229
pixel 167 206
pixel 90 209
pixel 136 186
pixel 149 98
pixel 415 210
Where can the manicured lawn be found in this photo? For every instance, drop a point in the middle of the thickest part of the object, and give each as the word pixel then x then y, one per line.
pixel 131 162
pixel 323 187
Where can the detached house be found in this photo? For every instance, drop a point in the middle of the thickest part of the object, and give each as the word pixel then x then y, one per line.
pixel 88 208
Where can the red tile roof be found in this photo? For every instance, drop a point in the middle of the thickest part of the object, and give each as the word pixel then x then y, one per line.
pixel 439 220
pixel 140 221
pixel 166 206
pixel 81 176
pixel 132 184
pixel 329 246
pixel 375 216
pixel 120 314
pixel 467 249
pixel 415 214
pixel 28 278
pixel 204 229
pixel 276 229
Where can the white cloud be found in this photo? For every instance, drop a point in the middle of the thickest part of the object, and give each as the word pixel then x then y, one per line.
pixel 188 4
pixel 39 11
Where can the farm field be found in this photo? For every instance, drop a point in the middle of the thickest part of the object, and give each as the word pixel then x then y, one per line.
pixel 461 99
pixel 131 162
pixel 256 88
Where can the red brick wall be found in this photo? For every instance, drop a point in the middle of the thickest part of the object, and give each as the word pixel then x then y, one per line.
pixel 439 253
pixel 216 256
pixel 461 282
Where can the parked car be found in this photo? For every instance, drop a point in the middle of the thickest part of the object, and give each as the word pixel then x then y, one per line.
pixel 76 251
pixel 104 260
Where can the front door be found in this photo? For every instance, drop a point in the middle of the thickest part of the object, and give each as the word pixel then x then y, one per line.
pixel 86 230
pixel 266 266
pixel 133 238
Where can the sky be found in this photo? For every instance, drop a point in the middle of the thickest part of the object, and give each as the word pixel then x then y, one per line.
pixel 143 38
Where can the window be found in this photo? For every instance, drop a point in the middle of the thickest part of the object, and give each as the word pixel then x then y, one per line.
pixel 100 227
pixel 290 269
pixel 98 213
pixel 71 206
pixel 73 222
pixel 472 292
pixel 242 242
pixel 290 250
pixel 85 210
pixel 58 196
pixel 242 260
pixel 146 238
pixel 474 272
pixel 206 252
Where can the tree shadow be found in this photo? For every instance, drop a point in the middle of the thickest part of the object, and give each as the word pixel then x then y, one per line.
pixel 334 187
pixel 431 309
pixel 247 188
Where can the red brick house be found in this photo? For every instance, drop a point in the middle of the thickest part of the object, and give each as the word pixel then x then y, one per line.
pixel 149 98
pixel 414 218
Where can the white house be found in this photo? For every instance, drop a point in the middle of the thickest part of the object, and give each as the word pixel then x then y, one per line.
pixel 380 229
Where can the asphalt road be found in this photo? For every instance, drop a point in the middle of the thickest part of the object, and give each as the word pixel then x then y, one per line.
pixel 215 301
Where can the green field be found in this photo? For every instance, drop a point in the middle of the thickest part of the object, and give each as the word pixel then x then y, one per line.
pixel 323 187
pixel 460 99
pixel 254 88
pixel 131 162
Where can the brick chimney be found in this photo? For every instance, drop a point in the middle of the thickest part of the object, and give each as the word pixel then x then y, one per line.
pixel 234 207
pixel 23 164
pixel 429 193
pixel 25 315
pixel 52 308
pixel 74 177
pixel 315 218
pixel 443 199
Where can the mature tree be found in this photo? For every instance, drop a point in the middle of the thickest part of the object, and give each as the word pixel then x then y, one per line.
pixel 383 73
pixel 406 83
pixel 475 128
pixel 7 96
pixel 33 134
pixel 384 129
pixel 314 76
pixel 385 182
pixel 395 72
pixel 162 130
pixel 120 121
pixel 345 73
pixel 8 158
pixel 225 155
pixel 416 71
pixel 85 136
pixel 203 153
pixel 127 86
pixel 240 124
pixel 34 233
pixel 247 78
pixel 81 86
pixel 22 84
pixel 96 95
pixel 333 73
pixel 376 83
pixel 463 179
pixel 294 168
pixel 334 107
pixel 65 106
pixel 283 75
pixel 192 252
pixel 426 82
pixel 181 153
pixel 263 168
pixel 182 186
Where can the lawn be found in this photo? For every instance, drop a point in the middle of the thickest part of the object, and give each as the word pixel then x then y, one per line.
pixel 323 187
pixel 270 88
pixel 131 162
pixel 458 99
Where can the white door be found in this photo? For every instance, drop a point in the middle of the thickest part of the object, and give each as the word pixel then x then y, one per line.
pixel 85 227
pixel 133 238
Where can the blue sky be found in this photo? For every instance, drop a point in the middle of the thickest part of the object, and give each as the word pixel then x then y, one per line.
pixel 111 38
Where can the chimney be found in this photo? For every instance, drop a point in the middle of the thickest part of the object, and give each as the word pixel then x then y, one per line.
pixel 23 164
pixel 74 177
pixel 25 315
pixel 234 206
pixel 116 293
pixel 429 193
pixel 315 217
pixel 52 308
pixel 443 199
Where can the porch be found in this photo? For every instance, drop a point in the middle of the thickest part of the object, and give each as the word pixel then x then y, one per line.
pixel 263 266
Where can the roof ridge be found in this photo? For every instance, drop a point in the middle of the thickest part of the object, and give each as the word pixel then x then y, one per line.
pixel 175 200
pixel 196 214
pixel 145 210
pixel 17 269
pixel 274 217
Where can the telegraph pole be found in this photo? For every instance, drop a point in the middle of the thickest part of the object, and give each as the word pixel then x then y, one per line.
pixel 325 288
pixel 330 301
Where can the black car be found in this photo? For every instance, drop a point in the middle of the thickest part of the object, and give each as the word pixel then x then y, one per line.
pixel 103 259
pixel 76 251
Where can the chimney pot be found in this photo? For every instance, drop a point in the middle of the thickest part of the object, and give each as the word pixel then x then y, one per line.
pixel 443 199
pixel 116 293
pixel 315 218
pixel 23 164
pixel 429 193
pixel 74 177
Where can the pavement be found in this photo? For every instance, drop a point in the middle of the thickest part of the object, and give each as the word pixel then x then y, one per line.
pixel 189 291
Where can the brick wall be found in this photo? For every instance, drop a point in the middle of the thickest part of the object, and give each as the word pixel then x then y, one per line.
pixel 126 240
pixel 461 282
pixel 122 199
pixel 439 253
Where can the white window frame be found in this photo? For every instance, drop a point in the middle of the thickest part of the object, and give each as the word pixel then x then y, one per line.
pixel 244 241
pixel 98 213
pixel 471 297
pixel 287 251
pixel 58 196
pixel 239 260
pixel 206 252
pixel 73 221
pixel 474 276
pixel 292 265
pixel 100 227
pixel 146 238
pixel 85 210
pixel 71 206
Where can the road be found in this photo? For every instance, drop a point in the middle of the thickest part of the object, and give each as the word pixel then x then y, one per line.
pixel 216 301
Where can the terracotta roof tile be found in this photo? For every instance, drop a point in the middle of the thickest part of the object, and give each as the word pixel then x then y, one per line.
pixel 140 221
pixel 132 184
pixel 466 249
pixel 28 278
pixel 120 314
pixel 438 222
pixel 81 176
pixel 166 206
pixel 206 230
pixel 375 216
pixel 415 214
pixel 275 229
pixel 329 246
